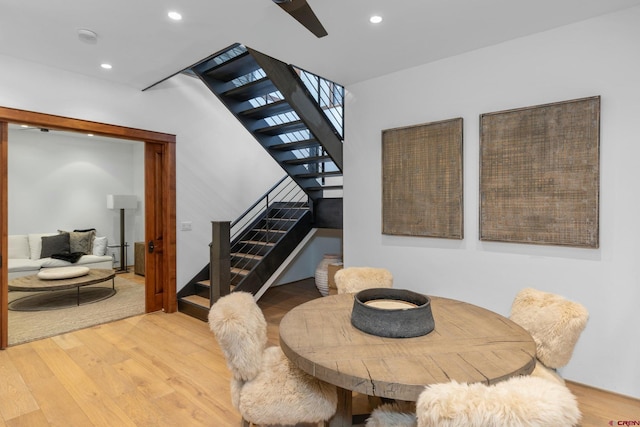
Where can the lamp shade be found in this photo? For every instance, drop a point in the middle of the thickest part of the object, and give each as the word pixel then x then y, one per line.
pixel 119 201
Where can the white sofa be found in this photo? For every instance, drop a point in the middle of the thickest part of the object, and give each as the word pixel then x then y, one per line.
pixel 25 250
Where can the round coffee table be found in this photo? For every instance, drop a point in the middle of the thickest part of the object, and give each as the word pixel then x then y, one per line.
pixel 67 291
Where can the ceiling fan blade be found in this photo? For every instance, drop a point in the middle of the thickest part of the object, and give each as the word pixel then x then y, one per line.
pixel 302 12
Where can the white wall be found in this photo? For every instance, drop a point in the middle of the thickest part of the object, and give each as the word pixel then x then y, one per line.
pixel 596 57
pixel 60 181
pixel 325 241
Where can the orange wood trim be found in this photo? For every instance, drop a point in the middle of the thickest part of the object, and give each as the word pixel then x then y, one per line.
pixel 170 302
pixel 4 231
pixel 65 123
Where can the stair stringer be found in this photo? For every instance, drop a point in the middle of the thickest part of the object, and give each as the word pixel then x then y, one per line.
pixel 255 279
pixel 293 90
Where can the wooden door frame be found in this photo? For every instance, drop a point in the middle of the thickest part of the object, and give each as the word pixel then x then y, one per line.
pixel 10 115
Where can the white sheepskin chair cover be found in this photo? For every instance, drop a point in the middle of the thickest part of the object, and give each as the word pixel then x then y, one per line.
pixel 241 331
pixel 351 280
pixel 517 402
pixel 265 386
pixel 397 414
pixel 554 322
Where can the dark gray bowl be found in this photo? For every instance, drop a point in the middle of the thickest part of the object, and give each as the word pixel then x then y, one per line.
pixel 414 321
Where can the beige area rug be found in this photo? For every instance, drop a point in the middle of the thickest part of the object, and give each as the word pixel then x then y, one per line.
pixel 25 326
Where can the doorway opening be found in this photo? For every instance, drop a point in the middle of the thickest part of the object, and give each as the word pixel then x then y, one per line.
pixel 158 201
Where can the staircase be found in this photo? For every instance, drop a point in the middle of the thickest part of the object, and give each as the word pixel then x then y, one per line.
pixel 297 117
pixel 258 244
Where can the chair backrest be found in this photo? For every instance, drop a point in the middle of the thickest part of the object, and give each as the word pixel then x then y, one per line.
pixel 241 331
pixel 523 401
pixel 554 322
pixel 354 279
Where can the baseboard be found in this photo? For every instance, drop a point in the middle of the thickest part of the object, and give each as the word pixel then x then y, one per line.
pixel 600 390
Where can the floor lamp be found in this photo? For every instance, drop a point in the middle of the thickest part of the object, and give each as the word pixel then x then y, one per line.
pixel 122 202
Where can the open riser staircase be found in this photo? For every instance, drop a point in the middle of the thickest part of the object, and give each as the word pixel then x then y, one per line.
pixel 295 115
pixel 298 118
pixel 259 242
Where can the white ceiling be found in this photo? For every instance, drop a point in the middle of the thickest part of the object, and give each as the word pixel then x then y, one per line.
pixel 145 46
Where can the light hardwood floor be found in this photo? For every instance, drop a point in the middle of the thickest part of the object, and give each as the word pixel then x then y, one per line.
pixel 164 370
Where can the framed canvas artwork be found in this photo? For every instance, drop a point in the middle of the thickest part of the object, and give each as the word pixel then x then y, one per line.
pixel 539 174
pixel 422 180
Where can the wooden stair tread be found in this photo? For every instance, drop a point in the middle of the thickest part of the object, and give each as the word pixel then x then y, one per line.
pixel 256 242
pixel 197 300
pixel 245 255
pixel 205 283
pixel 240 271
pixel 270 230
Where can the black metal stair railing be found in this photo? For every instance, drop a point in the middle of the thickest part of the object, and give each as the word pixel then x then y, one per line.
pixel 263 224
pixel 329 96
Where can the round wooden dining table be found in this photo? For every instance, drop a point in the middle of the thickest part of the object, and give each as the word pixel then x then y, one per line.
pixel 469 344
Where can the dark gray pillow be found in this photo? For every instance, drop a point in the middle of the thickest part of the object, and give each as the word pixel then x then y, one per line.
pixel 81 241
pixel 56 244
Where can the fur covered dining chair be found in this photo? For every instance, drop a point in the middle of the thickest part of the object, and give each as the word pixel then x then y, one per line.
pixel 351 280
pixel 522 401
pixel 266 388
pixel 555 323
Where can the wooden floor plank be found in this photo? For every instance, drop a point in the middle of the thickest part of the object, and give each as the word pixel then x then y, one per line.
pixel 99 407
pixel 32 419
pixel 165 370
pixel 15 398
pixel 57 405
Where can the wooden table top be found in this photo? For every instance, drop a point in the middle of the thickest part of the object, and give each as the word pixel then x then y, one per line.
pixel 34 284
pixel 468 344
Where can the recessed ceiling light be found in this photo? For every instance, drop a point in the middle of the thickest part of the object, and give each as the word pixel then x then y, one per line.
pixel 106 66
pixel 375 19
pixel 174 15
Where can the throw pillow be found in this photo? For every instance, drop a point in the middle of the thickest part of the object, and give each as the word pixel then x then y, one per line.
pixel 56 244
pixel 81 241
pixel 100 246
pixel 35 244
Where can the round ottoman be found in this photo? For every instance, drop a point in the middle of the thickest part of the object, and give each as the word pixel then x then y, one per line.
pixel 62 272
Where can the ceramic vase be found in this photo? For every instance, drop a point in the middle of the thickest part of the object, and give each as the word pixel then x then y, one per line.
pixel 321 276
